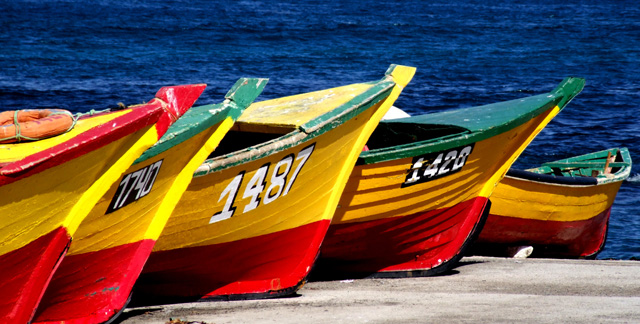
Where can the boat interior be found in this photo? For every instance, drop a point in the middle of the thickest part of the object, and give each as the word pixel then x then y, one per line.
pixel 397 133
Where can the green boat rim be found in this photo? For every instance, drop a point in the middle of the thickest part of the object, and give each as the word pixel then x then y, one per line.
pixel 474 123
pixel 317 126
pixel 198 119
pixel 584 165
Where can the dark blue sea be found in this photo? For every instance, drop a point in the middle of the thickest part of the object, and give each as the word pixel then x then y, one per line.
pixel 83 55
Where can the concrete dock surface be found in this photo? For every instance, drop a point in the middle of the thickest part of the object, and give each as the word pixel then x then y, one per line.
pixel 478 290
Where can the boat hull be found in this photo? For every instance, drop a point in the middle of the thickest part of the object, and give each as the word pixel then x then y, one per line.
pixel 557 220
pixel 383 191
pixel 112 244
pixel 24 276
pixel 68 192
pixel 307 202
pixel 421 244
pixel 249 270
pixel 93 287
pixel 49 186
pixel 260 214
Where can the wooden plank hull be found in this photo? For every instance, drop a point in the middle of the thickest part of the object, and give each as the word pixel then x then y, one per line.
pixel 49 186
pixel 50 208
pixel 412 245
pixel 249 269
pixel 25 276
pixel 260 214
pixel 113 242
pixel 432 210
pixel 559 216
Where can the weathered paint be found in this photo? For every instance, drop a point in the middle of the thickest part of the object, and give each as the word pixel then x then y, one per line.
pixel 555 216
pixel 50 186
pixel 408 245
pixel 388 183
pixel 249 269
pixel 474 124
pixel 290 184
pixel 112 244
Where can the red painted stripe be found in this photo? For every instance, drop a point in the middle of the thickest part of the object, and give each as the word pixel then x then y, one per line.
pixel 255 267
pixel 93 287
pixel 549 238
pixel 88 141
pixel 415 242
pixel 25 273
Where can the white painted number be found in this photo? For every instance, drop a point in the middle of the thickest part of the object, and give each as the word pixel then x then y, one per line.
pixel 255 187
pixel 432 169
pixel 230 191
pixel 436 165
pixel 279 186
pixel 462 158
pixel 139 183
pixel 278 179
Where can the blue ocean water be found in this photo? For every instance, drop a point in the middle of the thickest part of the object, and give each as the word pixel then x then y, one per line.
pixel 83 55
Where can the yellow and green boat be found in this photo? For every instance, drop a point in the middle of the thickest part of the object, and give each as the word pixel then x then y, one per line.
pixel 416 198
pixel 252 220
pixel 112 243
pixel 561 208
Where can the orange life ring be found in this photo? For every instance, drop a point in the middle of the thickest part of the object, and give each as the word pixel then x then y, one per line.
pixel 32 124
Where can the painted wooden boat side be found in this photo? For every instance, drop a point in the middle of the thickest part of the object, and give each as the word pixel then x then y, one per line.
pixel 409 178
pixel 558 208
pixel 469 125
pixel 267 206
pixel 49 187
pixel 94 282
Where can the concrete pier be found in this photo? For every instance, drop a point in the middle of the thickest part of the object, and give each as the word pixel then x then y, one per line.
pixel 478 290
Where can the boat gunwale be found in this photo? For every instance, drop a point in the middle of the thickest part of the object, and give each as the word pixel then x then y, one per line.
pixel 82 143
pixel 311 129
pixel 198 119
pixel 559 97
pixel 539 175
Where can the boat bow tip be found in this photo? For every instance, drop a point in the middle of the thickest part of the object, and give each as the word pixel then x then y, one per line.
pixel 401 74
pixel 568 89
pixel 246 90
pixel 178 100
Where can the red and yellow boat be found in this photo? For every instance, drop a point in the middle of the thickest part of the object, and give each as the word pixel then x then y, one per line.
pixel 417 196
pixel 47 187
pixel 94 282
pixel 253 218
pixel 561 208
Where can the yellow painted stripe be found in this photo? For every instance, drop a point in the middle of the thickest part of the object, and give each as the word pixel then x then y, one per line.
pixel 146 217
pixel 374 191
pixel 550 202
pixel 183 180
pixel 36 205
pixel 91 196
pixel 312 198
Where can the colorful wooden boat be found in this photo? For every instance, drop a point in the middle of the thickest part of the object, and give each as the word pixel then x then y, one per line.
pixel 253 218
pixel 47 187
pixel 94 282
pixel 561 208
pixel 414 200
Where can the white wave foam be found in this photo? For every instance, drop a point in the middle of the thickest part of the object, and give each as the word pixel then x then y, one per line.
pixel 634 178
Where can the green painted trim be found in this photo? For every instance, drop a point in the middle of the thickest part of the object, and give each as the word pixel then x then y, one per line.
pixel 350 109
pixel 199 119
pixel 475 123
pixel 379 91
pixel 582 165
